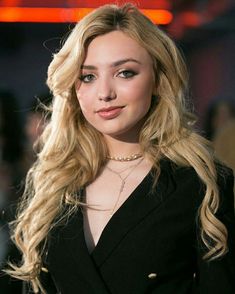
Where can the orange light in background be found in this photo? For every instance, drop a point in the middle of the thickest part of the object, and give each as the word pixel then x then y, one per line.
pixel 159 16
pixel 26 14
pixel 39 14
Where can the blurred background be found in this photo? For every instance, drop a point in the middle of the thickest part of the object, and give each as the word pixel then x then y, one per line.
pixel 31 31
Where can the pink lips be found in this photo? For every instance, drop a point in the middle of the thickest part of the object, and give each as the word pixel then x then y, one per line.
pixel 110 112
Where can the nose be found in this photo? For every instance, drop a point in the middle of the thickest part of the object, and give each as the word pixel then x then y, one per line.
pixel 106 91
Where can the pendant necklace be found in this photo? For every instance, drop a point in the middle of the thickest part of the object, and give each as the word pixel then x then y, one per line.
pixel 123 182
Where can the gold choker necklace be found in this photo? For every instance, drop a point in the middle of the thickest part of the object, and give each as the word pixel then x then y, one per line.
pixel 127 158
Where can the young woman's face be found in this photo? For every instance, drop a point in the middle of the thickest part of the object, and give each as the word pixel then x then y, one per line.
pixel 116 85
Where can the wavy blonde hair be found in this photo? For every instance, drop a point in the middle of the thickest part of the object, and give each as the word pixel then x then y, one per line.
pixel 72 151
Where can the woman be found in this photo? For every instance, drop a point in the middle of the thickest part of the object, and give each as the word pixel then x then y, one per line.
pixel 124 196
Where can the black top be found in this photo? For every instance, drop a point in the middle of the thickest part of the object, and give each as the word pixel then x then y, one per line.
pixel 150 245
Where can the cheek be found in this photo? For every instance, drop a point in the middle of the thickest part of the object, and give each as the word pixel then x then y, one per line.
pixel 142 94
pixel 83 101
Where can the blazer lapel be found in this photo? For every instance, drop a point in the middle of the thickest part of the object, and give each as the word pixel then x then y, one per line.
pixel 67 250
pixel 69 238
pixel 138 206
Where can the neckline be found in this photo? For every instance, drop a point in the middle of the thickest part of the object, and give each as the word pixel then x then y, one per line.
pixel 123 209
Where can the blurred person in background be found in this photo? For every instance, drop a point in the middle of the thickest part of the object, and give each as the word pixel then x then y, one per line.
pixel 35 123
pixel 16 157
pixel 220 129
pixel 11 147
pixel 219 113
pixel 224 144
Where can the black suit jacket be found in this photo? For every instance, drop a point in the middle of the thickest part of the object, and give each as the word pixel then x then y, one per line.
pixel 150 245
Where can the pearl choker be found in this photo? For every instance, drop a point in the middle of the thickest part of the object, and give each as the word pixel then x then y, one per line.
pixel 127 158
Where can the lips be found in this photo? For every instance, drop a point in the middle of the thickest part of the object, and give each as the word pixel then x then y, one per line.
pixel 110 112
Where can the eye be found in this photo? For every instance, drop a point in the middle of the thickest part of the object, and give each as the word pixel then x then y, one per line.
pixel 126 74
pixel 87 78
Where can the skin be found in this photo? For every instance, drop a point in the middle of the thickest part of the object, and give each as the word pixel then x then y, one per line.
pixel 117 72
pixel 114 92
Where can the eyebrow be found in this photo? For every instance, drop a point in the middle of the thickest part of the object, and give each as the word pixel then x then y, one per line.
pixel 114 64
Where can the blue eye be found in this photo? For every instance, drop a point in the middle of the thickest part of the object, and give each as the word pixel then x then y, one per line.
pixel 126 74
pixel 87 78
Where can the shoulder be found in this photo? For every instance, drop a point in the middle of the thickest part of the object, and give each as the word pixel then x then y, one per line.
pixel 180 186
pixel 186 180
pixel 179 172
pixel 180 175
pixel 224 175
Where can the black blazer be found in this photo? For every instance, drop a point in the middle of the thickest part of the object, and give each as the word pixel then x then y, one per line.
pixel 150 245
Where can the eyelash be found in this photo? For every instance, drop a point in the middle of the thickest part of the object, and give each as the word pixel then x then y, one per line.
pixel 83 78
pixel 130 74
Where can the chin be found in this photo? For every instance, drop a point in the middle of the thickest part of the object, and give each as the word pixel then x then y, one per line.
pixel 123 135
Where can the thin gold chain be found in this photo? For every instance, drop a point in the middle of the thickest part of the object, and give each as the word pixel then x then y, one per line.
pixel 123 182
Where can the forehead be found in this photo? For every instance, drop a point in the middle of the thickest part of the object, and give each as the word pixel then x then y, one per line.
pixel 114 46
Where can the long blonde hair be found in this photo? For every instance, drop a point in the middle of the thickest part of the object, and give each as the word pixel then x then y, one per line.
pixel 72 152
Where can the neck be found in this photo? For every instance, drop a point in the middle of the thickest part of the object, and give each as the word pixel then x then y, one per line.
pixel 120 148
